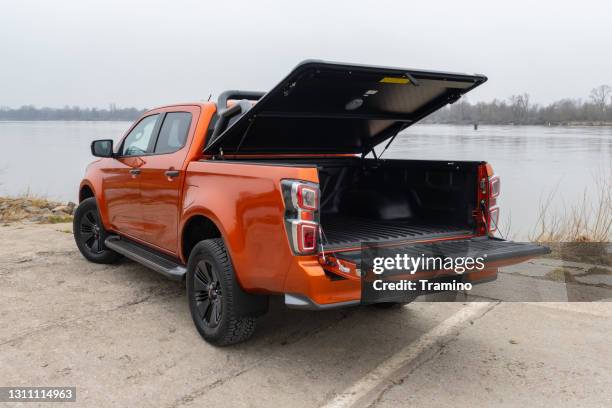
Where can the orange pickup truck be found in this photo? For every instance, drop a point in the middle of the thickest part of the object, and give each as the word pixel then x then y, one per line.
pixel 273 193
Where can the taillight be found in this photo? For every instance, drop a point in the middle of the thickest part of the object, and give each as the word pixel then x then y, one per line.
pixel 487 196
pixel 307 237
pixel 301 215
pixel 494 186
pixel 493 219
pixel 307 197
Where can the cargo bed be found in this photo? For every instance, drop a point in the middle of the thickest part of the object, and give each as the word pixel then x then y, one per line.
pixel 395 201
pixel 343 231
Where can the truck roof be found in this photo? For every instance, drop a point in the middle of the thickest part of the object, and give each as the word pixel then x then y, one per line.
pixel 330 107
pixel 176 105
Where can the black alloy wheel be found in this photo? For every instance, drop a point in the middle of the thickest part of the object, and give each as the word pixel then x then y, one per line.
pixel 222 313
pixel 208 294
pixel 90 232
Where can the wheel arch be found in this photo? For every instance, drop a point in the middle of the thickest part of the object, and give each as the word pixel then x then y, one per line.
pixel 85 192
pixel 196 228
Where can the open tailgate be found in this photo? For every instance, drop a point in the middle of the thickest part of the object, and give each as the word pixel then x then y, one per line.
pixel 493 249
pixel 495 252
pixel 326 107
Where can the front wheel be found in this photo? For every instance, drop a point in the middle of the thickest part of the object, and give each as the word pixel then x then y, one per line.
pixel 89 233
pixel 213 295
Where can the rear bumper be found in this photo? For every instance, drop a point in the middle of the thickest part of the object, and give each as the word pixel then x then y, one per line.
pixel 308 287
pixel 303 302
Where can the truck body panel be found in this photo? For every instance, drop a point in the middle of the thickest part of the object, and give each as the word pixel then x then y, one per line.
pixel 249 214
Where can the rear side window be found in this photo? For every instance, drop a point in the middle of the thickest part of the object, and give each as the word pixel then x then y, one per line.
pixel 173 132
pixel 139 140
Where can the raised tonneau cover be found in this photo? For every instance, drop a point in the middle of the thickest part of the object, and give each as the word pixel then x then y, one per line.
pixel 327 107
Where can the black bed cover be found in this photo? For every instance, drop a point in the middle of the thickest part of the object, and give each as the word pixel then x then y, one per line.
pixel 328 107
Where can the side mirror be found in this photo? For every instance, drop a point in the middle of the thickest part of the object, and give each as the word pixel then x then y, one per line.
pixel 102 148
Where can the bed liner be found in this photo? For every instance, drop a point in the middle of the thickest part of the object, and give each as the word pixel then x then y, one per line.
pixel 342 232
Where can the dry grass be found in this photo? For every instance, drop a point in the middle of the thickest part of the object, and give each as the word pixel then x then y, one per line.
pixel 505 228
pixel 586 221
pixel 29 207
pixel 58 219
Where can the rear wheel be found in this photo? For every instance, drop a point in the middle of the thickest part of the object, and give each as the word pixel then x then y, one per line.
pixel 89 233
pixel 394 305
pixel 212 293
pixel 389 305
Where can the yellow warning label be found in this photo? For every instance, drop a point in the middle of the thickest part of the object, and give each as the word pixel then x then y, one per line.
pixel 393 80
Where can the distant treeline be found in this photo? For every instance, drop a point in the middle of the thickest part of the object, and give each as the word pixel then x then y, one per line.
pixel 519 110
pixel 30 112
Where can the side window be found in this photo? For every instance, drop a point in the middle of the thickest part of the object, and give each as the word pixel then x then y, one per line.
pixel 138 141
pixel 173 132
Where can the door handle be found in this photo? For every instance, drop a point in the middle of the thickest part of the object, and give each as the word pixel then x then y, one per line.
pixel 135 171
pixel 172 173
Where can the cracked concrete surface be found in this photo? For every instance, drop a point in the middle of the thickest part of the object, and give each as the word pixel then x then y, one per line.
pixel 123 336
pixel 517 355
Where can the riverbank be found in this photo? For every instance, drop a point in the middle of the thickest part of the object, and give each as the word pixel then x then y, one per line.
pixel 35 210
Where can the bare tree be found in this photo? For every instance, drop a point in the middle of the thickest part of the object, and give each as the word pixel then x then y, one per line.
pixel 600 96
pixel 524 104
pixel 520 107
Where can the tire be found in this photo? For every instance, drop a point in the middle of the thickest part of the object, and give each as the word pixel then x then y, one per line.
pixel 214 295
pixel 89 233
pixel 393 305
pixel 388 305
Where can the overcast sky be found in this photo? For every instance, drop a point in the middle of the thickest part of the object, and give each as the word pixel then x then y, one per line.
pixel 147 53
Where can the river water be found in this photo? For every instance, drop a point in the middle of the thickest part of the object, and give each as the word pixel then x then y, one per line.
pixel 49 158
